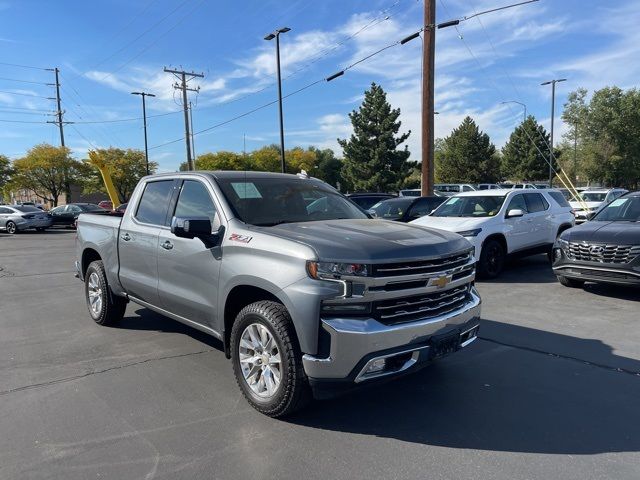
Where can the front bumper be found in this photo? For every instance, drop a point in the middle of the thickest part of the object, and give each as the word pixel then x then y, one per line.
pixel 599 272
pixel 355 341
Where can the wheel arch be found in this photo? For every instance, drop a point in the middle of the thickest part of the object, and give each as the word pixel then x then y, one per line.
pixel 562 228
pixel 500 237
pixel 88 255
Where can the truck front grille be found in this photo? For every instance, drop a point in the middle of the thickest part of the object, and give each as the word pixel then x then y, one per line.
pixel 602 253
pixel 423 266
pixel 407 309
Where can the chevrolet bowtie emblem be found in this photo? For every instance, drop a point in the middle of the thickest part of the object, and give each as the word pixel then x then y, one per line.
pixel 439 282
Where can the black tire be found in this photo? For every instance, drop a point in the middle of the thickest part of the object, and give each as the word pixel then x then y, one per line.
pixel 111 307
pixel 570 282
pixel 492 258
pixel 10 227
pixel 293 391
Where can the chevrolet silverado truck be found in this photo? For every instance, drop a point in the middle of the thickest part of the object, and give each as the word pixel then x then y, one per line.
pixel 308 295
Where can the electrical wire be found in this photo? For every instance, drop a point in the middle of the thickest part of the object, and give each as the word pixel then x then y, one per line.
pixel 22 66
pixel 22 81
pixel 20 121
pixel 26 95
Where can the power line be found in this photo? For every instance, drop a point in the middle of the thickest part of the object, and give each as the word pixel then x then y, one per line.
pixel 23 81
pixel 27 95
pixel 21 121
pixel 21 66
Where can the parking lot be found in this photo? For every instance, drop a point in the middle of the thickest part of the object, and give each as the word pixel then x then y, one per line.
pixel 550 390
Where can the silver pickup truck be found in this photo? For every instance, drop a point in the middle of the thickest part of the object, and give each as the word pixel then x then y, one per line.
pixel 309 295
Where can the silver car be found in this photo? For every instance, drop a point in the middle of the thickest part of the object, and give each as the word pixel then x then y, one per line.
pixel 15 218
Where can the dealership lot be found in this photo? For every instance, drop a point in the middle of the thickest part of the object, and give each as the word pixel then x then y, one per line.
pixel 549 391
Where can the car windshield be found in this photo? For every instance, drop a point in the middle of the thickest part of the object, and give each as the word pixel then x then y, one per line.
pixel 480 206
pixel 593 196
pixel 391 209
pixel 27 208
pixel 91 208
pixel 271 201
pixel 626 209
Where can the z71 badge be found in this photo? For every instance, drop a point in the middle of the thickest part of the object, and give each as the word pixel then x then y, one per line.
pixel 236 237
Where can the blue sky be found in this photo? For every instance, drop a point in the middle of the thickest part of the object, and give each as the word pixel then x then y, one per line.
pixel 105 49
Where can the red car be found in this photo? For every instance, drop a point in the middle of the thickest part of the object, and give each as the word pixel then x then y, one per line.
pixel 106 204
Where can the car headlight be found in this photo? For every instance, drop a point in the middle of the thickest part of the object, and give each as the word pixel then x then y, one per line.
pixel 563 244
pixel 470 233
pixel 332 271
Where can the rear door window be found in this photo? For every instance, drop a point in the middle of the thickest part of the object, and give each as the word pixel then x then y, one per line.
pixel 535 202
pixel 155 202
pixel 559 198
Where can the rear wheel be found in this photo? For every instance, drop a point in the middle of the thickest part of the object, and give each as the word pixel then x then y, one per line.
pixel 104 307
pixel 570 282
pixel 267 362
pixel 11 227
pixel 492 259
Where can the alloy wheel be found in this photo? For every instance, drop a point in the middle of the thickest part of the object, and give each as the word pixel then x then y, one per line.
pixel 260 360
pixel 95 294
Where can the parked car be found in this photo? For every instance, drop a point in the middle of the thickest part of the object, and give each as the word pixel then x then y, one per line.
pixel 304 301
pixel 106 204
pixel 517 185
pixel 499 223
pixel 66 215
pixel 592 200
pixel 603 250
pixel 449 189
pixel 405 209
pixel 368 200
pixel 16 218
pixel 412 192
pixel 487 186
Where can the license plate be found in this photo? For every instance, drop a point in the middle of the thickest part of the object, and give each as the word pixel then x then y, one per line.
pixel 445 345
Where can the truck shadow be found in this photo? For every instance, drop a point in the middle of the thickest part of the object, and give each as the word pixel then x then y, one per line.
pixel 494 396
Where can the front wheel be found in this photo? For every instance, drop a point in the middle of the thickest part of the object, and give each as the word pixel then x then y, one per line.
pixel 267 362
pixel 492 259
pixel 104 307
pixel 11 227
pixel 570 282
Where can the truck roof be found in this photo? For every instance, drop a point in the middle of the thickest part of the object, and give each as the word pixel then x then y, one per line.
pixel 221 174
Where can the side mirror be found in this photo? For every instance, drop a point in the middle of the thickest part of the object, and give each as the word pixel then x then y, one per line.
pixel 590 215
pixel 372 213
pixel 191 227
pixel 515 212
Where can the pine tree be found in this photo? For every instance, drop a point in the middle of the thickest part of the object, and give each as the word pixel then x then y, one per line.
pixel 467 156
pixel 372 160
pixel 525 155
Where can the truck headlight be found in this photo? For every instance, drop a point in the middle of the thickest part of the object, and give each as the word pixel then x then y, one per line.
pixel 563 244
pixel 470 233
pixel 332 271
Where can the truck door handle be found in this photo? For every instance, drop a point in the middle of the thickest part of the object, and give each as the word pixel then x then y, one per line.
pixel 126 237
pixel 167 245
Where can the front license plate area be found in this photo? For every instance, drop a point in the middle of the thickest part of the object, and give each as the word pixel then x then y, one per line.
pixel 442 346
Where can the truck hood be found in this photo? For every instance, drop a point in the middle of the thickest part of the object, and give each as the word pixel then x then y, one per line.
pixel 451 224
pixel 369 241
pixel 617 233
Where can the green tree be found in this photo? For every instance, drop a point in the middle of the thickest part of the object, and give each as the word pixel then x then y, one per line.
pixel 328 167
pixel 5 176
pixel 127 168
pixel 372 160
pixel 468 156
pixel 525 156
pixel 222 160
pixel 46 170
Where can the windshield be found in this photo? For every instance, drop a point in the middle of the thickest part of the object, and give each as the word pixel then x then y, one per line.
pixel 593 196
pixel 481 206
pixel 91 208
pixel 625 209
pixel 271 201
pixel 391 209
pixel 27 208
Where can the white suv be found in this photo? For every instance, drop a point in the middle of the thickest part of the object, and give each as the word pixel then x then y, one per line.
pixel 593 200
pixel 502 222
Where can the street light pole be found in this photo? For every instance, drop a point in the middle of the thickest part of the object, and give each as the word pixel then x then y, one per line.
pixel 144 118
pixel 271 36
pixel 553 108
pixel 524 115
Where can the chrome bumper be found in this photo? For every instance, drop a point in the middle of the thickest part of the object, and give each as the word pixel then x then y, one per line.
pixel 353 339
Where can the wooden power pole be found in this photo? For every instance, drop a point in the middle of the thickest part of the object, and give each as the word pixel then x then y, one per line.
pixel 428 67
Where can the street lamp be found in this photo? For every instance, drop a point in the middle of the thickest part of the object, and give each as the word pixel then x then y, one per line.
pixel 524 115
pixel 144 117
pixel 271 36
pixel 553 107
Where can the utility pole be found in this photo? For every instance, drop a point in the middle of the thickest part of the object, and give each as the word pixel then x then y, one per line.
pixel 181 75
pixel 428 67
pixel 553 107
pixel 144 118
pixel 59 113
pixel 193 141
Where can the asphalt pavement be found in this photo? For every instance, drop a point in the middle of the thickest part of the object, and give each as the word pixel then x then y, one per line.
pixel 550 391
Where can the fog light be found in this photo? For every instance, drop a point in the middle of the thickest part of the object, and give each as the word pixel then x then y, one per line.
pixel 557 254
pixel 376 365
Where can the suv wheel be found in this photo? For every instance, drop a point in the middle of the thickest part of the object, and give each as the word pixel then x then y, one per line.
pixel 11 227
pixel 104 307
pixel 570 282
pixel 492 259
pixel 267 362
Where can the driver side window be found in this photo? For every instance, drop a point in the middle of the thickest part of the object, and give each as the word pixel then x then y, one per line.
pixel 195 201
pixel 517 202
